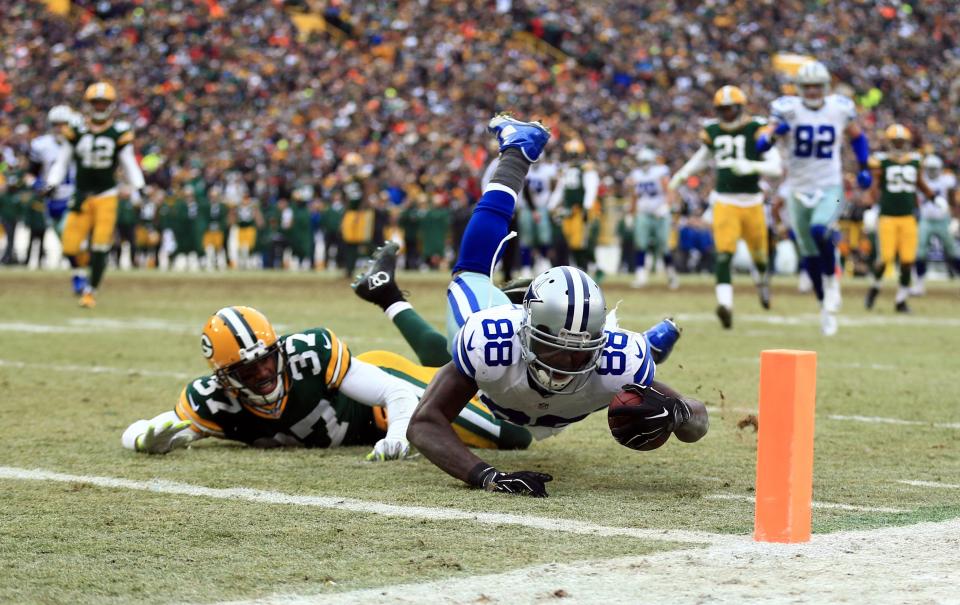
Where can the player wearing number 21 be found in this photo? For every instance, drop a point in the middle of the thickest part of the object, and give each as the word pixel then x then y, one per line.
pixel 98 147
pixel 810 128
pixel 737 200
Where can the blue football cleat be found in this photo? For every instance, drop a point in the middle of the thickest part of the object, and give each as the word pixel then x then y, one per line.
pixel 528 137
pixel 79 284
pixel 661 338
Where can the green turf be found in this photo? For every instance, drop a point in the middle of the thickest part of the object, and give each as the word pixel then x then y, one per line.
pixel 72 543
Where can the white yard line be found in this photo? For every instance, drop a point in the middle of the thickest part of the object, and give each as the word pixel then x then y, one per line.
pixel 883 420
pixel 56 367
pixel 930 484
pixel 816 504
pixel 810 319
pixel 899 565
pixel 363 506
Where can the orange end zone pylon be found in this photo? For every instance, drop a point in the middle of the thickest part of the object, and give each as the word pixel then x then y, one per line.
pixel 788 388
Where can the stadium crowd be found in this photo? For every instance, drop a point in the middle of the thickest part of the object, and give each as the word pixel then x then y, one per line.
pixel 231 104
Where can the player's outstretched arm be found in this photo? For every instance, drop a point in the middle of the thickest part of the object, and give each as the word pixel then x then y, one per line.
pixel 431 433
pixel 159 435
pixel 371 386
pixel 697 162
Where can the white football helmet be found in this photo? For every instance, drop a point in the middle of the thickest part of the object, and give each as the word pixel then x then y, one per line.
pixel 59 115
pixel 646 156
pixel 932 166
pixel 562 333
pixel 813 80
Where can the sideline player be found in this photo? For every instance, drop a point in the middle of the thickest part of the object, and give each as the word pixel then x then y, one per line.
pixel 97 147
pixel 44 151
pixel 935 215
pixel 303 389
pixel 811 127
pixel 651 217
pixel 737 198
pixel 543 365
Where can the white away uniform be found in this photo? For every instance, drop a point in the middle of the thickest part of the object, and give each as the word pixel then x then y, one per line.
pixel 487 350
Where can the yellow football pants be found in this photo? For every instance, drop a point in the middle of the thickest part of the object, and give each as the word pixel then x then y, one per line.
pixel 214 239
pixel 97 214
pixel 574 228
pixel 731 223
pixel 897 236
pixel 357 226
pixel 475 425
pixel 246 238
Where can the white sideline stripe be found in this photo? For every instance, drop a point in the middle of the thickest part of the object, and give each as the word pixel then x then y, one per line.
pixel 845 418
pixel 930 484
pixel 882 420
pixel 94 369
pixel 895 565
pixel 363 506
pixel 810 319
pixel 815 504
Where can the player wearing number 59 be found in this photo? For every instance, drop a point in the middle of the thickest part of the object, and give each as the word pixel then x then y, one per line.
pixel 811 129
pixel 302 389
pixel 737 200
pixel 97 147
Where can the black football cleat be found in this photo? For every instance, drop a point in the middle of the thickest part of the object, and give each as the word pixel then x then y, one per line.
pixel 871 297
pixel 763 290
pixel 726 316
pixel 902 307
pixel 378 283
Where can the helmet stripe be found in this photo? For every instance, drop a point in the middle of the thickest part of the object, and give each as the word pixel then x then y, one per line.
pixel 586 301
pixel 568 322
pixel 238 326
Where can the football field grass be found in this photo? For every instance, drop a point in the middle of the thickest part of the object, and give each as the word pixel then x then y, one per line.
pixel 180 528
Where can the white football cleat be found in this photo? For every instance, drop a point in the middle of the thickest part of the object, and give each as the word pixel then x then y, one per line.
pixel 832 300
pixel 828 322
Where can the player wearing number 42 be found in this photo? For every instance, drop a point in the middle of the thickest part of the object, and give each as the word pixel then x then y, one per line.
pixel 303 389
pixel 98 147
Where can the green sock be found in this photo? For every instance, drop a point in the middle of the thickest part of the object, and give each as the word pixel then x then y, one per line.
pixel 98 264
pixel 429 345
pixel 722 268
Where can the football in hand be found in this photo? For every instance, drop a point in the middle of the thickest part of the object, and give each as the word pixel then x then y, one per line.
pixel 631 424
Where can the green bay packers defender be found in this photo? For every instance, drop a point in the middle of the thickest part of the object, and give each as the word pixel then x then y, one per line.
pixel 897 177
pixel 303 389
pixel 97 147
pixel 737 199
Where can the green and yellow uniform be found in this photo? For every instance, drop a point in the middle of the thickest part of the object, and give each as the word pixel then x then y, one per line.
pixel 93 210
pixel 314 413
pixel 897 232
pixel 215 218
pixel 737 199
pixel 246 225
pixel 357 221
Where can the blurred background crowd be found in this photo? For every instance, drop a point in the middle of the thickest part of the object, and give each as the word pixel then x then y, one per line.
pixel 303 110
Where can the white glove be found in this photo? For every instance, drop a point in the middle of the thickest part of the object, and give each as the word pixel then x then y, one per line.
pixel 676 180
pixel 942 203
pixel 390 449
pixel 160 439
pixel 743 167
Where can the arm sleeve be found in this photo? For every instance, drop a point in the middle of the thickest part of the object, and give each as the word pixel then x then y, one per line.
pixel 369 385
pixel 771 165
pixel 129 438
pixel 130 167
pixel 58 171
pixel 699 161
pixel 591 185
